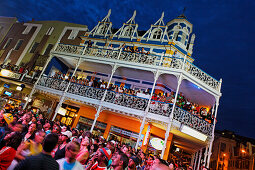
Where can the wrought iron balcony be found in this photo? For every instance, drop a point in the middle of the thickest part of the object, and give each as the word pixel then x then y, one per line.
pixel 149 59
pixel 129 101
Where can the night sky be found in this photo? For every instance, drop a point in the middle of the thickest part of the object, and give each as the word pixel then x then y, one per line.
pixel 223 46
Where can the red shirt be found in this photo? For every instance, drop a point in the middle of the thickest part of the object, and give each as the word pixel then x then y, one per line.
pixel 96 167
pixel 7 155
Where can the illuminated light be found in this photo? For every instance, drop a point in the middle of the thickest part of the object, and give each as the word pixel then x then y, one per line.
pixel 5 73
pixel 62 111
pixel 177 149
pixel 193 133
pixel 19 88
pixel 157 143
pixel 26 98
pixel 243 151
pixel 224 154
pixel 66 77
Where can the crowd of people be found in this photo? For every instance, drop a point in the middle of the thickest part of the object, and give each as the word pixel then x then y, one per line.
pixel 161 99
pixel 28 140
pixel 20 70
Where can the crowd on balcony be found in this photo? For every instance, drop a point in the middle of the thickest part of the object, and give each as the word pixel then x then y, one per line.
pixel 21 70
pixel 158 99
pixel 30 141
pixel 124 47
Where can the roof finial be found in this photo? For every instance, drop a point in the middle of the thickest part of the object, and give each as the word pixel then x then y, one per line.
pixel 106 18
pixel 184 9
pixel 132 19
pixel 160 21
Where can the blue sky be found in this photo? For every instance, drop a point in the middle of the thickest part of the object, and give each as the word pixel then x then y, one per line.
pixel 223 47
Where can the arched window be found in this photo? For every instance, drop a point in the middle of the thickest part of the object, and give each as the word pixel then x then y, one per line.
pixel 156 33
pixel 102 29
pixel 183 38
pixel 128 31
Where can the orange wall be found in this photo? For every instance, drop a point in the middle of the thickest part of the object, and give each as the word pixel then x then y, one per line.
pixel 131 124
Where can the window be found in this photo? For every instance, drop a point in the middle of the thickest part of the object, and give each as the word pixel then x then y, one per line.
pixel 157 34
pixel 19 43
pixel 128 31
pixel 50 30
pixel 175 35
pixel 8 42
pixel 102 29
pixel 27 29
pixel 34 47
pixel 73 34
pixel 47 51
pixel 183 38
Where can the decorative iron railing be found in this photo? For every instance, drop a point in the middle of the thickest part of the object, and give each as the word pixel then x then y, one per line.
pixel 150 59
pixel 192 121
pixel 129 101
pixel 72 49
pixel 53 83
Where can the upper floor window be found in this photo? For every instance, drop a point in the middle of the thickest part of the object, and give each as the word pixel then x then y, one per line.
pixel 8 42
pixel 128 31
pixel 34 47
pixel 47 51
pixel 102 29
pixel 73 34
pixel 183 38
pixel 27 29
pixel 156 33
pixel 19 43
pixel 50 30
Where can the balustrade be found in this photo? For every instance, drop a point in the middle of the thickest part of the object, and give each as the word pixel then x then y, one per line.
pixel 171 62
pixel 129 101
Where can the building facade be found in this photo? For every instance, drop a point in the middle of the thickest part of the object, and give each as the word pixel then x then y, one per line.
pixel 232 151
pixel 153 65
pixel 5 25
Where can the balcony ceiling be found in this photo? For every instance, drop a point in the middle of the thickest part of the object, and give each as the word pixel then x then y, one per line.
pixel 190 90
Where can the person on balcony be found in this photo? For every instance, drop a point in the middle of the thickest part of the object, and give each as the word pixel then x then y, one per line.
pixel 90 43
pixel 110 47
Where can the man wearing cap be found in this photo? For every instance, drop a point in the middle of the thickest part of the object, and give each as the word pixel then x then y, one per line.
pixel 100 160
pixel 133 162
pixel 119 161
pixel 64 138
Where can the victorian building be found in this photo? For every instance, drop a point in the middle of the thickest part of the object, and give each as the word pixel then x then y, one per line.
pixel 159 62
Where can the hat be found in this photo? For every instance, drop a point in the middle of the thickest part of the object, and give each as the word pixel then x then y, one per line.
pixel 107 152
pixel 135 159
pixel 67 133
pixel 8 117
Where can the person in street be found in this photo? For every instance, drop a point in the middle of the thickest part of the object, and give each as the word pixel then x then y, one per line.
pixel 43 161
pixel 119 161
pixel 70 162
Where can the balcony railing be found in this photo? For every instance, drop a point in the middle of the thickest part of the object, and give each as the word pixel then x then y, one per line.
pixel 150 59
pixel 129 101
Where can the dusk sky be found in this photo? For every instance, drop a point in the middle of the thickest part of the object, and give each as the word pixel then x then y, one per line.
pixel 223 46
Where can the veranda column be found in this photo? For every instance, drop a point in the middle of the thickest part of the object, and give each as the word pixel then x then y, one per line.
pixel 192 159
pixel 173 107
pixel 196 155
pixel 147 108
pixel 205 156
pixel 62 99
pixel 199 160
pixel 156 75
pixel 100 104
pixel 33 89
pixel 214 122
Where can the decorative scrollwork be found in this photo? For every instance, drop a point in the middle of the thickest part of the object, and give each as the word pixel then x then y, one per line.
pixel 192 121
pixel 73 49
pixel 160 108
pixel 201 75
pixel 53 83
pixel 86 91
pixel 130 101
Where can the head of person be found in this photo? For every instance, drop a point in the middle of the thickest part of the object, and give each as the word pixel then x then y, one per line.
pixel 124 149
pixel 50 142
pixel 159 166
pixel 65 136
pixel 85 141
pixel 32 128
pixel 16 126
pixel 103 155
pixel 133 162
pixel 72 149
pixel 119 160
pixel 56 129
pixel 39 136
pixel 47 126
pixel 13 139
pixel 64 128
